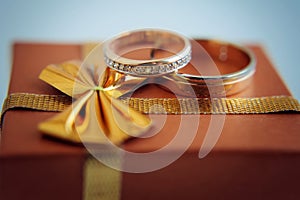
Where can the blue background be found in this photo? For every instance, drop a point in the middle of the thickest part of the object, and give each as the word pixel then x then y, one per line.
pixel 274 24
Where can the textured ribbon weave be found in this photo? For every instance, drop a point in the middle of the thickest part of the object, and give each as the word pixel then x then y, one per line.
pixel 258 105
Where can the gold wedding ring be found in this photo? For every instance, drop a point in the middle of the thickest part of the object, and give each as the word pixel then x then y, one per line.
pixel 176 50
pixel 239 61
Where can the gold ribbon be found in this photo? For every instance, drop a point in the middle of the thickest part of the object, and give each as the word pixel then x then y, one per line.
pixel 258 105
pixel 100 181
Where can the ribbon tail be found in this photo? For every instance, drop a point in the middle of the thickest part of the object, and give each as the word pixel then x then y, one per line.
pixel 63 125
pixel 122 121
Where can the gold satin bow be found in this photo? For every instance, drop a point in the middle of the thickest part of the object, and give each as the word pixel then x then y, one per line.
pixel 96 115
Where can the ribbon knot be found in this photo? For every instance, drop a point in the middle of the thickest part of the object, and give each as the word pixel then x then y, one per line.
pixel 98 88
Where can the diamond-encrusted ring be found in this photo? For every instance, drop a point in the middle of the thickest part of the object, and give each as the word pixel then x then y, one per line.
pixel 175 48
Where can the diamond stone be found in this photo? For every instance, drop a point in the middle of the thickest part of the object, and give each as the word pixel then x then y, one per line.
pixel 116 65
pixel 121 67
pixel 155 69
pixel 148 69
pixel 169 67
pixel 111 63
pixel 138 69
pixel 162 68
pixel 127 68
pixel 124 68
